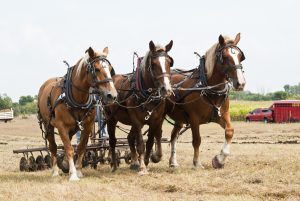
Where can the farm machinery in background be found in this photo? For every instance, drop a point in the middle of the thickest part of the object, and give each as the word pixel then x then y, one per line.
pixel 6 115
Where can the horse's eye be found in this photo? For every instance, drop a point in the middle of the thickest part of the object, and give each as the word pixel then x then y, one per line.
pixel 97 70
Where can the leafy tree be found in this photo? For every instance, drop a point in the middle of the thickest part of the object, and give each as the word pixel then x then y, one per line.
pixel 280 95
pixel 5 102
pixel 25 99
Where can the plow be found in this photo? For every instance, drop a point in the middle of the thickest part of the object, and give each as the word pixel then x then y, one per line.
pixel 97 152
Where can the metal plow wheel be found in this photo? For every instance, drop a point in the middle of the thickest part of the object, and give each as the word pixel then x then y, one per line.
pixel 32 164
pixel 24 165
pixel 48 162
pixel 41 165
pixel 91 158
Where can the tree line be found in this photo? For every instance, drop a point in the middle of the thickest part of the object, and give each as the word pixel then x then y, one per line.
pixel 28 104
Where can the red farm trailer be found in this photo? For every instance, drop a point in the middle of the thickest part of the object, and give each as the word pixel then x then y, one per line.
pixel 286 111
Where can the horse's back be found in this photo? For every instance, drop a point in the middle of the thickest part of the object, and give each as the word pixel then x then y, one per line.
pixel 49 86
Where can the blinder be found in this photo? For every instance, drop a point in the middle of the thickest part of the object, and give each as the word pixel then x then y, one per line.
pixel 172 61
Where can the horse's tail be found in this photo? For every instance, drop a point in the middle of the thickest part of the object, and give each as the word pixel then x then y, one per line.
pixel 41 123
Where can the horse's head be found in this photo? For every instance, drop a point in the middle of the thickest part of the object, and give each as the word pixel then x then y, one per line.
pixel 100 74
pixel 230 56
pixel 159 67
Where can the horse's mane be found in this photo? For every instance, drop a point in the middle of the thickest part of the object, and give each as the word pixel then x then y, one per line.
pixel 210 56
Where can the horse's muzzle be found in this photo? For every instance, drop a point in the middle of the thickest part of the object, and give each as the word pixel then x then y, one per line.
pixel 165 93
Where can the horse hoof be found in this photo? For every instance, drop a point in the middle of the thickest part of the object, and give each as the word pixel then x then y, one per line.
pixel 174 165
pixel 114 169
pixel 143 172
pixel 146 161
pixel 198 165
pixel 134 167
pixel 74 177
pixel 55 174
pixel 216 164
pixel 155 158
pixel 79 174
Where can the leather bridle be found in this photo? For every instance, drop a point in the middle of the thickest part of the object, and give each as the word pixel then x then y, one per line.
pixel 149 68
pixel 229 68
pixel 91 69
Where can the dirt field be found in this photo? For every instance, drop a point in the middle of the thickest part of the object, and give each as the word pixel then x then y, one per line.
pixel 264 165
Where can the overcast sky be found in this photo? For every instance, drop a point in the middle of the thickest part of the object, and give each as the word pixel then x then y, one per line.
pixel 36 36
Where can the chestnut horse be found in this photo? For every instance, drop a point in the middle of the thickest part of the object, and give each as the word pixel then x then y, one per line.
pixel 202 96
pixel 68 104
pixel 141 101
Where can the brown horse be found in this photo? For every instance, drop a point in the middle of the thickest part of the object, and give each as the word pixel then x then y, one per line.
pixel 68 104
pixel 202 96
pixel 141 101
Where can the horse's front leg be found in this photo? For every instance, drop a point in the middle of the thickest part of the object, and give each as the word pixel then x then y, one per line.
pixel 174 135
pixel 154 131
pixel 84 137
pixel 157 155
pixel 111 129
pixel 69 150
pixel 140 148
pixel 134 165
pixel 219 160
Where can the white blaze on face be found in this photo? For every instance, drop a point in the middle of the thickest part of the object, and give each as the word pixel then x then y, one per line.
pixel 234 55
pixel 162 61
pixel 106 69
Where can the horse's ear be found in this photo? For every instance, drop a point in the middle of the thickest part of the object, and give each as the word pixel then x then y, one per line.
pixel 91 52
pixel 169 46
pixel 152 46
pixel 237 38
pixel 221 40
pixel 105 51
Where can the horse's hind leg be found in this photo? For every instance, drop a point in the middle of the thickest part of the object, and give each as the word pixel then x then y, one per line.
pixel 196 142
pixel 174 135
pixel 53 149
pixel 219 160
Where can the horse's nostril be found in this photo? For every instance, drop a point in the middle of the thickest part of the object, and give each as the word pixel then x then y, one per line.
pixel 163 89
pixel 110 97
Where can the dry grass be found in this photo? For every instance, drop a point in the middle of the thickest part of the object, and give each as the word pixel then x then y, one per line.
pixel 260 167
